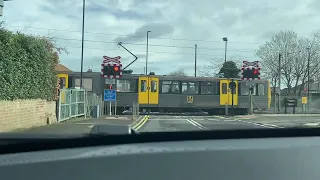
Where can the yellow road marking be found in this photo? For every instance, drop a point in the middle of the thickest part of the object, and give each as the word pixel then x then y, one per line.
pixel 141 123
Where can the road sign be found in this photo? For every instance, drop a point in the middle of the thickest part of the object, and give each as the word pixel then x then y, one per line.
pixel 304 100
pixel 109 95
pixel 290 102
pixel 110 81
pixel 189 99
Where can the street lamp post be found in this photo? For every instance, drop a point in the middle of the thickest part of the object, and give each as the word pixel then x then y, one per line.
pixel 225 39
pixel 1 6
pixel 147 52
pixel 82 42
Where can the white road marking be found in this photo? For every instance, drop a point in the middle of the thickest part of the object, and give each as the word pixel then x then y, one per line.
pixel 196 124
pixel 91 126
pixel 211 118
pixel 262 125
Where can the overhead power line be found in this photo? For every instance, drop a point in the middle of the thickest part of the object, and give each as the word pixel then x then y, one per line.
pixel 159 45
pixel 160 52
pixel 126 35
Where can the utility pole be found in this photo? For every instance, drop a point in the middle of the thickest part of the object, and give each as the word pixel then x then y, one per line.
pixel 82 42
pixel 147 52
pixel 195 60
pixel 279 72
pixel 308 69
pixel 275 95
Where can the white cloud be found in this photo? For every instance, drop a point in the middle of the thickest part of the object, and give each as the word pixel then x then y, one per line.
pixel 176 26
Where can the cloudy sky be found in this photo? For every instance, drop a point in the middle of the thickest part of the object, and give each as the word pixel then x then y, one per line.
pixel 175 25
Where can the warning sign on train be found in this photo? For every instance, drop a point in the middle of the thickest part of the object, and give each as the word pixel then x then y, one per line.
pixel 189 99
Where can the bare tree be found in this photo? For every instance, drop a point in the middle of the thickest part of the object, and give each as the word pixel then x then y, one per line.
pixel 284 43
pixel 294 52
pixel 179 72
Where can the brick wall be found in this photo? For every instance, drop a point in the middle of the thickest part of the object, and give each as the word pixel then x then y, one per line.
pixel 20 114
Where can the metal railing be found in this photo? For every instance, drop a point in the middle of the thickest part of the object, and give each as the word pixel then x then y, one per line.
pixel 72 103
pixel 135 110
pixel 93 100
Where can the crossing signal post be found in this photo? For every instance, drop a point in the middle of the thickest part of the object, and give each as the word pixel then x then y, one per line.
pixel 111 69
pixel 250 72
pixel 232 86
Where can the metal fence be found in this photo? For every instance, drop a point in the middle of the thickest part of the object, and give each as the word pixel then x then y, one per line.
pixel 72 103
pixel 94 103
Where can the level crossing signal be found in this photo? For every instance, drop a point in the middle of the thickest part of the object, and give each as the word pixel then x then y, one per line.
pixel 250 70
pixel 111 71
pixel 111 67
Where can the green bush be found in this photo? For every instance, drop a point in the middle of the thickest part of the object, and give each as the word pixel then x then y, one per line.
pixel 27 67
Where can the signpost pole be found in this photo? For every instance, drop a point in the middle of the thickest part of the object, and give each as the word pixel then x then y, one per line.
pixel 110 104
pixel 111 68
pixel 250 101
pixel 232 94
pixel 110 108
pixel 115 108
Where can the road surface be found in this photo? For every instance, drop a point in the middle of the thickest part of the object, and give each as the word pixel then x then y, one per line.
pixel 155 123
pixel 193 123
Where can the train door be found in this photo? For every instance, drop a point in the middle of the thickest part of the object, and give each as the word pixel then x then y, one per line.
pixel 226 94
pixel 234 93
pixel 153 90
pixel 143 90
pixel 148 90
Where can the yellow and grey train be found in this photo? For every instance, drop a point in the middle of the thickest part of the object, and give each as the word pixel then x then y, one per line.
pixel 161 93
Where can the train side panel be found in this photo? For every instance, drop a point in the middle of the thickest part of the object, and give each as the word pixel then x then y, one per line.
pixel 181 101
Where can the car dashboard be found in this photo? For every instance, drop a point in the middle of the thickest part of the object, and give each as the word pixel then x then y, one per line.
pixel 241 159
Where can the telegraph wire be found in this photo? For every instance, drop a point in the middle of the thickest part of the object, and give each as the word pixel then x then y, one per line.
pixel 126 35
pixel 158 45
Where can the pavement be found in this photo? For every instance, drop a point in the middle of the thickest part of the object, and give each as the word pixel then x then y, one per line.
pixel 79 126
pixel 156 123
pixel 283 120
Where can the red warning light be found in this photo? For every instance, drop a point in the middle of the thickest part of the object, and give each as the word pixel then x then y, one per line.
pixel 255 72
pixel 116 68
